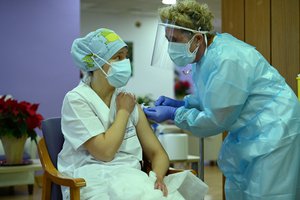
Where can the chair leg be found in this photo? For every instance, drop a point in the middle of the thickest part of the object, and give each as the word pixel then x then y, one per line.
pixel 30 189
pixel 75 193
pixel 46 192
pixel 11 190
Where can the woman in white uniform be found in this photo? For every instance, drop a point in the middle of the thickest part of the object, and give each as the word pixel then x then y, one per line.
pixel 106 132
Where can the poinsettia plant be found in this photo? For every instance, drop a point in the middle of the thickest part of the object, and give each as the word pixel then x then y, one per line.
pixel 181 87
pixel 19 118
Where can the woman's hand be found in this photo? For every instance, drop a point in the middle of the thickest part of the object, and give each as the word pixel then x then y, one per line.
pixel 125 101
pixel 160 185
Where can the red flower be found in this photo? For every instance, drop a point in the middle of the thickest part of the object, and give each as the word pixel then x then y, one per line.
pixel 182 87
pixel 186 84
pixel 34 121
pixel 177 86
pixel 18 118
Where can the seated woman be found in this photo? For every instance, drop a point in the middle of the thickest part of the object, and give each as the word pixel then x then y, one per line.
pixel 106 132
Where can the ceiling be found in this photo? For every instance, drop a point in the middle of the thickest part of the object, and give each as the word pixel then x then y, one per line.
pixel 137 7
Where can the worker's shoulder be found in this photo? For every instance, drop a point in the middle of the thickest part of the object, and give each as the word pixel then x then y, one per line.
pixel 228 47
pixel 231 43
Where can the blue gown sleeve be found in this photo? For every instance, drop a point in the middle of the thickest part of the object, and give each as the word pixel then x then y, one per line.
pixel 225 93
pixel 190 101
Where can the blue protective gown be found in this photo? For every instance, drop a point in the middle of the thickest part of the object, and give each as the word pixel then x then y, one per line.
pixel 238 91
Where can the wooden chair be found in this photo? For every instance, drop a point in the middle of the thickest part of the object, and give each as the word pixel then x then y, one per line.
pixel 48 147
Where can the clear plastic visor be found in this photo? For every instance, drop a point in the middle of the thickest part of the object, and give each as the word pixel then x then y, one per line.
pixel 168 32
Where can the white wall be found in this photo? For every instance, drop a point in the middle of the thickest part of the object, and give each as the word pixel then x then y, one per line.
pixel 146 79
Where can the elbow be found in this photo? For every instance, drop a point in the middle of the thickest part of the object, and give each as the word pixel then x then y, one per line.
pixel 108 156
pixel 167 158
pixel 105 156
pixel 162 155
pixel 206 131
pixel 222 125
pixel 100 150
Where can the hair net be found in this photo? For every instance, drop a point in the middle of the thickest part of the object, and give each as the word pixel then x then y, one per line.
pixel 189 14
pixel 103 42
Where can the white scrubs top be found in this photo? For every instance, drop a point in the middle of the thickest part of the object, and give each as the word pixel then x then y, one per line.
pixel 85 115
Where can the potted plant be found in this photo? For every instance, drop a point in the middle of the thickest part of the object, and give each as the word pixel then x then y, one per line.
pixel 18 120
pixel 145 100
pixel 181 88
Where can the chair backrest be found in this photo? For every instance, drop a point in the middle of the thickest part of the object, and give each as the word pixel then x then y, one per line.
pixel 53 137
pixel 54 140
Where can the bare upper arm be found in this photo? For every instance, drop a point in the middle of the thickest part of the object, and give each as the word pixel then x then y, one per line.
pixel 148 139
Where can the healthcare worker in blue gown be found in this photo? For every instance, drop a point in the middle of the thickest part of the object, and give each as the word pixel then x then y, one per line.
pixel 235 90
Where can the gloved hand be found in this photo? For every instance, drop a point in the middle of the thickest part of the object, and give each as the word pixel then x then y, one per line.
pixel 166 101
pixel 160 113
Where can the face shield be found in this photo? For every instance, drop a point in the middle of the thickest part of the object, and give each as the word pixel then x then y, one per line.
pixel 172 46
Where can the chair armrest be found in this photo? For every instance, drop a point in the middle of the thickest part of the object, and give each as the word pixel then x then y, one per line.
pixel 59 179
pixel 146 167
pixel 173 171
pixel 52 173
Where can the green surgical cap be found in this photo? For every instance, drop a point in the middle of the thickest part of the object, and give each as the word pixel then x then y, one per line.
pixel 103 42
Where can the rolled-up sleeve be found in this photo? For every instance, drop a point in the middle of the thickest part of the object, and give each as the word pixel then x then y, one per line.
pixel 79 122
pixel 190 101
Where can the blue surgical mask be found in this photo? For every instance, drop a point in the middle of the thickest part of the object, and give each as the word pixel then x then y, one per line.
pixel 119 73
pixel 180 53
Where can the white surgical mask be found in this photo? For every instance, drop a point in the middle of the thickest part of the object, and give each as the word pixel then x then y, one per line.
pixel 119 73
pixel 180 53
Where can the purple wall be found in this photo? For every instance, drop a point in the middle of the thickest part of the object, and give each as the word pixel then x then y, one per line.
pixel 35 41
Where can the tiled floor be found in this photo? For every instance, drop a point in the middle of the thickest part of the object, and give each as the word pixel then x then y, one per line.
pixel 212 177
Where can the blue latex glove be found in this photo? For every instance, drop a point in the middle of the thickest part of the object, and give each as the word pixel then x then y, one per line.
pixel 160 113
pixel 166 101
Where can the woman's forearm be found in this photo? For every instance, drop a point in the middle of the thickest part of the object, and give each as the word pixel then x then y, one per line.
pixel 115 134
pixel 105 146
pixel 160 165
